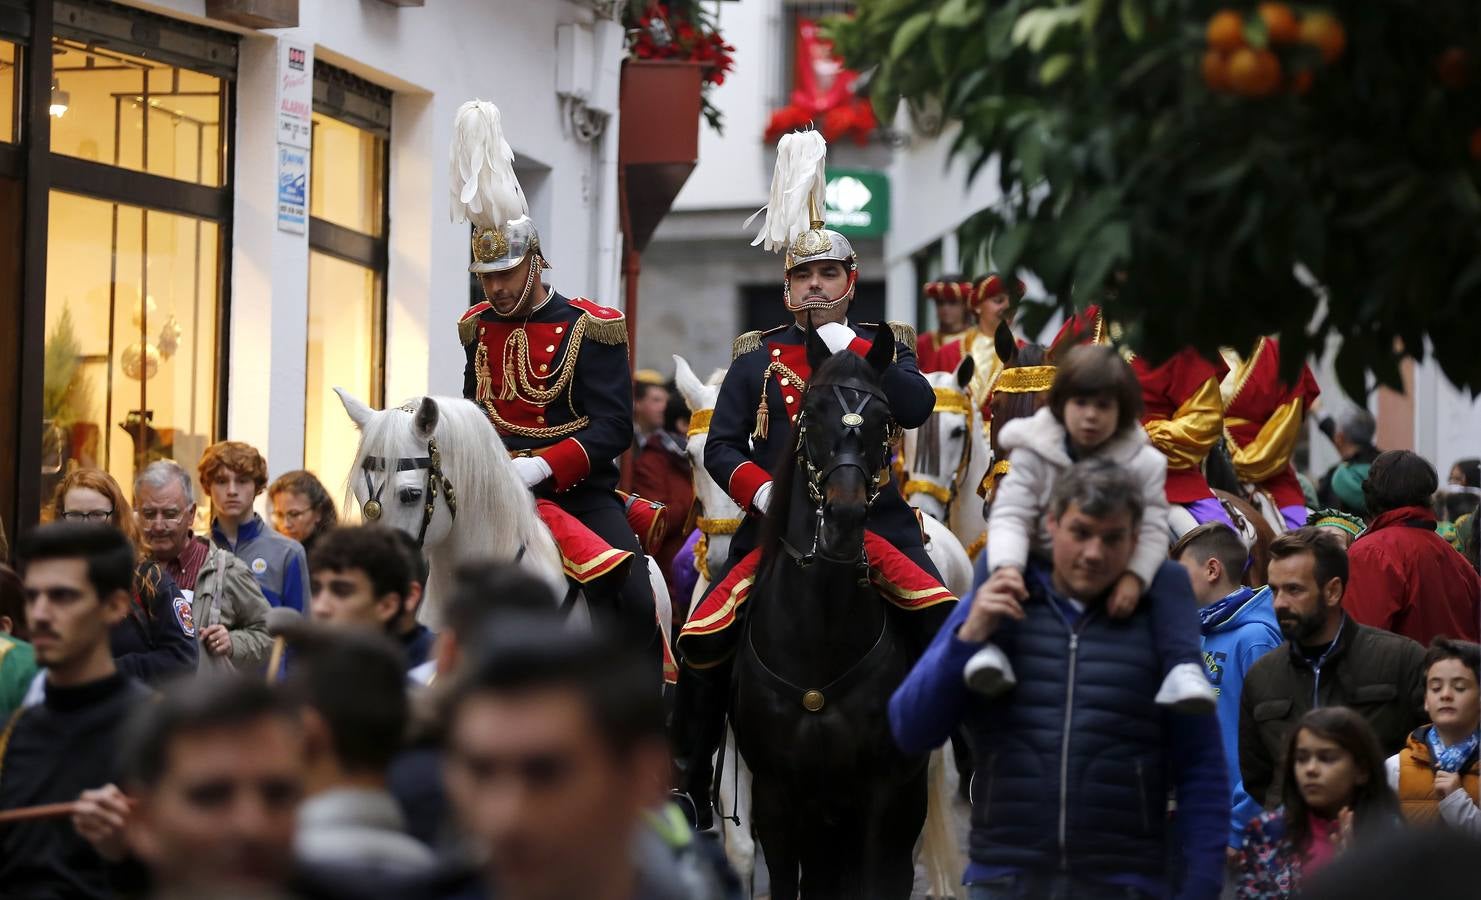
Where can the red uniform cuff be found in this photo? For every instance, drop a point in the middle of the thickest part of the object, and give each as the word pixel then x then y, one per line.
pixel 745 481
pixel 568 462
pixel 860 346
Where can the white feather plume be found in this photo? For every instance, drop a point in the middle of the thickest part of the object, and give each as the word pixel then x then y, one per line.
pixel 800 174
pixel 480 169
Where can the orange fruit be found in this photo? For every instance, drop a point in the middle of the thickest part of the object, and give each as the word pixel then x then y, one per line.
pixel 1300 83
pixel 1323 31
pixel 1225 31
pixel 1280 23
pixel 1254 73
pixel 1216 70
pixel 1451 68
pixel 1476 145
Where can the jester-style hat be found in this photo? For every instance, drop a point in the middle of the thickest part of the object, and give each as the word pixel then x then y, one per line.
pixel 794 218
pixel 486 192
pixel 993 285
pixel 951 290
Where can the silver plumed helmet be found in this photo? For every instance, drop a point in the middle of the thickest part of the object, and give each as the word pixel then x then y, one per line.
pixel 486 192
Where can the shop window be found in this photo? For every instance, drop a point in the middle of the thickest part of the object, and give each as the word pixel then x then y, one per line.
pixel 137 113
pixel 131 316
pixel 347 266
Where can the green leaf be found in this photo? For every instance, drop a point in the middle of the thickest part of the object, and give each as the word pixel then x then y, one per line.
pixel 1055 67
pixel 909 33
pixel 1008 246
pixel 1133 19
pixel 958 14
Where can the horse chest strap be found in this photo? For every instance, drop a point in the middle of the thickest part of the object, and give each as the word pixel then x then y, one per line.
pixel 812 701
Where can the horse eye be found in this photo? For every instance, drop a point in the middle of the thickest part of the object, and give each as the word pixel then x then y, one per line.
pixel 411 495
pixel 959 431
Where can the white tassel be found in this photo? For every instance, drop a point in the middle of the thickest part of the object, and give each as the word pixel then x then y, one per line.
pixel 480 169
pixel 799 178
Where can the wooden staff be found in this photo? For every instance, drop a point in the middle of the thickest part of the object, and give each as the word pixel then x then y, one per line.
pixel 45 811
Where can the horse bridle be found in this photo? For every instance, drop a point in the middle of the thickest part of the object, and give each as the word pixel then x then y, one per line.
pixel 432 462
pixel 840 458
pixel 947 400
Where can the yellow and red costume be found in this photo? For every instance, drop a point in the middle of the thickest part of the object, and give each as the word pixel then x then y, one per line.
pixel 931 347
pixel 1262 423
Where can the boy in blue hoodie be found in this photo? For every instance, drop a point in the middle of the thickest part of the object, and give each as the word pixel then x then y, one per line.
pixel 1238 628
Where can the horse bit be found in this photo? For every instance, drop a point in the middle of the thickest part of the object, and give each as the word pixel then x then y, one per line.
pixel 432 462
pixel 852 420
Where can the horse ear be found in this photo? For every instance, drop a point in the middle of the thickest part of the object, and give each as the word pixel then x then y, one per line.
pixel 1004 342
pixel 882 351
pixel 359 413
pixel 817 351
pixel 964 371
pixel 425 419
pixel 688 383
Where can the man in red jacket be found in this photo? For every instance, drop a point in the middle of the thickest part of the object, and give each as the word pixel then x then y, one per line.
pixel 1405 577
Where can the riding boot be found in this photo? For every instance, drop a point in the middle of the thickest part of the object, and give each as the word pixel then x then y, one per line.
pixel 700 703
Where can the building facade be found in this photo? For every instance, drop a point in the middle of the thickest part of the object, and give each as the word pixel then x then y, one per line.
pixel 209 225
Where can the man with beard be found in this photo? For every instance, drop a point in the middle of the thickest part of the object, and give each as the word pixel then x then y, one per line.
pixel 1327 660
pixel 78 579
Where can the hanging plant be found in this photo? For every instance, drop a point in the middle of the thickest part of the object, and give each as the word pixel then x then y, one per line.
pixel 682 30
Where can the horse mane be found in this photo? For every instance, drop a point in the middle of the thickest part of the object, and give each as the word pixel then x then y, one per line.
pixel 839 368
pixel 474 460
pixel 1007 407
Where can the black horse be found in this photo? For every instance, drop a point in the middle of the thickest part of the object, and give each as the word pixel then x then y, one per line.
pixel 836 806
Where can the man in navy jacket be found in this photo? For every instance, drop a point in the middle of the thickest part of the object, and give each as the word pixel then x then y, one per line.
pixel 1074 767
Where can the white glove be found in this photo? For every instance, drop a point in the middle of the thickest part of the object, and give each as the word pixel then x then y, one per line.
pixel 761 502
pixel 836 335
pixel 532 469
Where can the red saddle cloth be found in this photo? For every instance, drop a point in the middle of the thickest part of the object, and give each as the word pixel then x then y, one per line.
pixel 897 578
pixel 585 557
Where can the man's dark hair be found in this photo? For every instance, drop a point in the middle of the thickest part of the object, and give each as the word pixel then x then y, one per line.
pixel 356 681
pixel 1092 370
pixel 677 408
pixel 1330 557
pixel 1099 489
pixel 108 554
pixel 1470 471
pixel 641 389
pixel 529 654
pixel 1451 505
pixel 416 561
pixel 1443 648
pixel 1399 478
pixel 1217 541
pixel 193 706
pixel 484 591
pixel 373 549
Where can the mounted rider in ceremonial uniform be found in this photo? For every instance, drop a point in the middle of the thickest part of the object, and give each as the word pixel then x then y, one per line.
pixel 750 443
pixel 551 372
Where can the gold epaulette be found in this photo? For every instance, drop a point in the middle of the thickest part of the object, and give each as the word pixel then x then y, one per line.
pixel 468 321
pixel 905 334
pixel 744 344
pixel 605 331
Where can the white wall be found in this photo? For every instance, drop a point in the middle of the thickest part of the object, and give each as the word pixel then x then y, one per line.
pixel 433 58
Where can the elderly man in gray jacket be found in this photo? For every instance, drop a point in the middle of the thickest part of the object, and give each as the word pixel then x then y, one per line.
pixel 229 608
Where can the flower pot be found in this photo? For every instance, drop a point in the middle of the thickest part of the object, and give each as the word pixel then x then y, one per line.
pixel 658 139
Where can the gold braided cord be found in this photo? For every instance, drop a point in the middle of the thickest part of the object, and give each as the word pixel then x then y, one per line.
pixel 783 369
pixel 990 480
pixel 517 369
pixel 718 526
pixel 1025 380
pixel 699 421
pixel 929 488
pixel 702 556
pixel 951 400
pixel 554 431
pixel 976 546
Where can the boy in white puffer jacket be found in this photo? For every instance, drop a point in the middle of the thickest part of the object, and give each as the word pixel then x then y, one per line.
pixel 1093 411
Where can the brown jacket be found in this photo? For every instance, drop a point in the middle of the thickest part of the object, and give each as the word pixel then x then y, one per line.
pixel 1377 673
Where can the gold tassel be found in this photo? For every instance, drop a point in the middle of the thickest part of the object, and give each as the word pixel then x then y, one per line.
pixel 747 342
pixel 763 416
pixel 606 331
pixel 903 333
pixel 467 329
pixel 485 380
pixel 506 388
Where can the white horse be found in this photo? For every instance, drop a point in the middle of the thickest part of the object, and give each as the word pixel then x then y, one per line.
pixel 495 513
pixel 943 461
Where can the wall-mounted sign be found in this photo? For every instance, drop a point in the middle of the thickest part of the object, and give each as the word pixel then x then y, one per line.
pixel 293 180
pixel 295 94
pixel 858 202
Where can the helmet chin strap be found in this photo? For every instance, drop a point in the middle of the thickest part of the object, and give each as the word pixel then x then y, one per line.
pixel 848 292
pixel 520 310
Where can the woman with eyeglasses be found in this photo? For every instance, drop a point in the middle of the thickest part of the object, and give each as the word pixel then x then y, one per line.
pixel 157 640
pixel 302 508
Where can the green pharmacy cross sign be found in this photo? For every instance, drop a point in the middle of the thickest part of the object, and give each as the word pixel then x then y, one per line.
pixel 858 202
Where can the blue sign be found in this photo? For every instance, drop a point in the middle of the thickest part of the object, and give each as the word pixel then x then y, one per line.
pixel 293 178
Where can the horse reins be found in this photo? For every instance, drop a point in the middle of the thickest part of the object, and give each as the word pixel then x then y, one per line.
pixel 432 462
